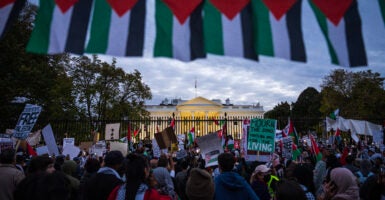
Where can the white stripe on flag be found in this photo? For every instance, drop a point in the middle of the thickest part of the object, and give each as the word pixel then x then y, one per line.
pixel 232 36
pixel 337 35
pixel 59 30
pixel 280 37
pixel 181 39
pixel 118 34
pixel 4 15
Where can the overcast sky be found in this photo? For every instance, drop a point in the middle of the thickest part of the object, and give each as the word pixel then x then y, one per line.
pixel 268 82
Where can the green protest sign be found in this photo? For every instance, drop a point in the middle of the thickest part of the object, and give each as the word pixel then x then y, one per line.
pixel 261 135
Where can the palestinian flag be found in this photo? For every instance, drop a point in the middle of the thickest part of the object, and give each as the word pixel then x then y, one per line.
pixel 9 11
pixel 315 149
pixel 278 29
pixel 340 22
pixel 179 29
pixel 191 136
pixel 382 9
pixel 295 151
pixel 228 28
pixel 289 130
pixel 334 114
pixel 118 27
pixel 61 26
pixel 337 136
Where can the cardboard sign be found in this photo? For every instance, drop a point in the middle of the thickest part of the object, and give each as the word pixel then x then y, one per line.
pixel 210 146
pixel 26 121
pixel 112 131
pixel 262 135
pixel 49 139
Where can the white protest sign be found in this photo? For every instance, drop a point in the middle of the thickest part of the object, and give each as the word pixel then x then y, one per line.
pixel 211 147
pixel 155 148
pixel 122 147
pixel 99 148
pixel 42 150
pixel 71 150
pixel 181 139
pixel 26 121
pixel 68 141
pixel 112 131
pixel 49 139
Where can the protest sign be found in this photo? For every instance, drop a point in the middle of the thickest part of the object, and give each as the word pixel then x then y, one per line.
pixel 155 148
pixel 210 146
pixel 68 141
pixel 42 150
pixel 262 135
pixel 49 139
pixel 181 139
pixel 27 120
pixel 112 131
pixel 85 145
pixel 71 150
pixel 287 147
pixel 181 154
pixel 5 143
pixel 118 146
pixel 34 138
pixel 160 140
pixel 99 148
pixel 250 155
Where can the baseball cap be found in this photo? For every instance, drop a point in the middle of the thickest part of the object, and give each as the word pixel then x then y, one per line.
pixel 261 168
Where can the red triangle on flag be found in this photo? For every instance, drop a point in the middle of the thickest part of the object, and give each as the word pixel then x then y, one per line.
pixel 334 10
pixel 230 8
pixel 279 7
pixel 65 5
pixel 182 9
pixel 3 3
pixel 121 6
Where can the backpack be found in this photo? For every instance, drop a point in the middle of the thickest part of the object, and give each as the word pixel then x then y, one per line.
pixel 362 178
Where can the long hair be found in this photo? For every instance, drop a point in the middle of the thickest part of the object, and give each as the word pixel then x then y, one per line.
pixel 135 174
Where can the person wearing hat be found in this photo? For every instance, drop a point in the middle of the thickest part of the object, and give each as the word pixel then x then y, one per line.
pixel 200 185
pixel 258 183
pixel 229 184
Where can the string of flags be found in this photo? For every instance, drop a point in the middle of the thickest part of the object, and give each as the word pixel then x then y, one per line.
pixel 191 29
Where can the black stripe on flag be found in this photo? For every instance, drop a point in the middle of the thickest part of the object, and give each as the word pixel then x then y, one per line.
pixel 197 48
pixel 293 22
pixel 17 6
pixel 247 33
pixel 78 27
pixel 354 39
pixel 135 41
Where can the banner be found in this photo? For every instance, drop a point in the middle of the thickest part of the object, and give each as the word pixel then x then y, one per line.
pixel 49 139
pixel 26 121
pixel 112 131
pixel 210 146
pixel 262 135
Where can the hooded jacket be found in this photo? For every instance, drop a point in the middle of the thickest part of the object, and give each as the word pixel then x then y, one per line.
pixel 230 185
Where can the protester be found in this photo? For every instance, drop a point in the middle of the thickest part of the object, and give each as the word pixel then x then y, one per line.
pixel 364 172
pixel 230 185
pixel 350 160
pixel 10 175
pixel 52 186
pixel 258 182
pixel 200 185
pixel 69 169
pixel 136 188
pixel 164 180
pixel 181 180
pixel 342 186
pixel 319 172
pixel 304 176
pixel 100 186
pixel 289 190
pixel 91 167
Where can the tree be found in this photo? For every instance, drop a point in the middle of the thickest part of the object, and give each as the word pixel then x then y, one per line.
pixel 358 95
pixel 281 113
pixel 305 112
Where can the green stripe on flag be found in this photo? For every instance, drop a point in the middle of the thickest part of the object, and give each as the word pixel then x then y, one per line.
pixel 163 42
pixel 100 27
pixel 322 21
pixel 212 26
pixel 39 41
pixel 382 9
pixel 262 28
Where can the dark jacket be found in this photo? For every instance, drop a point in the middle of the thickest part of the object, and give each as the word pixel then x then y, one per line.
pixel 230 185
pixel 100 186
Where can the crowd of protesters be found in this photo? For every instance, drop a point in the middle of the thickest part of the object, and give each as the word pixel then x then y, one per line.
pixel 347 172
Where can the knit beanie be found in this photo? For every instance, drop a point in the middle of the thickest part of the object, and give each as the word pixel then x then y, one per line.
pixel 200 185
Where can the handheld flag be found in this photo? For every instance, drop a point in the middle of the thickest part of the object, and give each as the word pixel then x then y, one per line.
pixel 334 115
pixel 315 148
